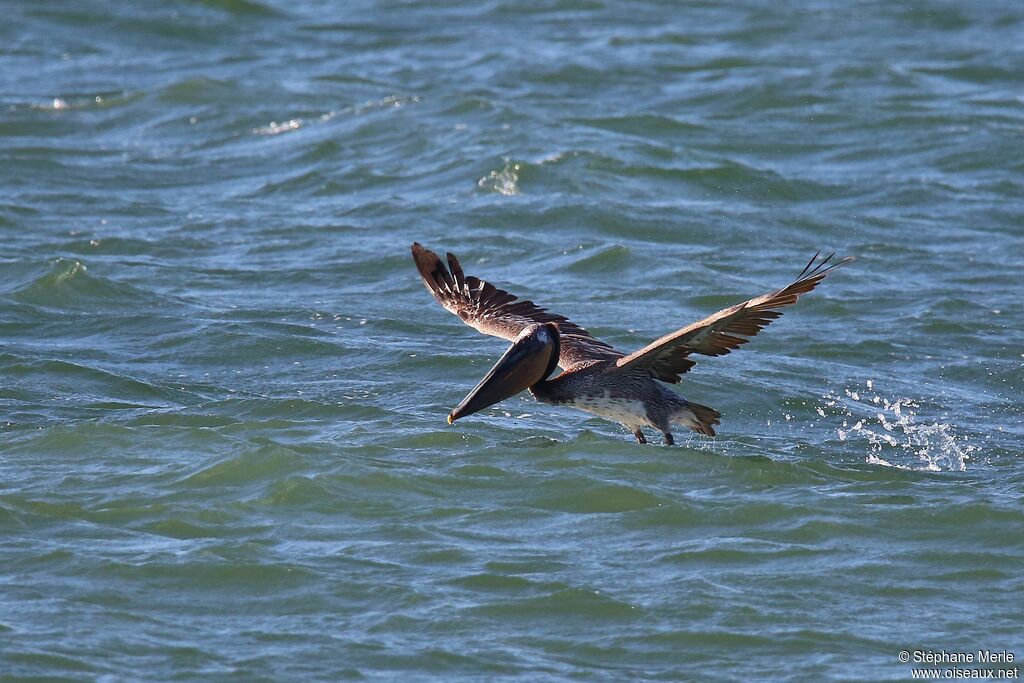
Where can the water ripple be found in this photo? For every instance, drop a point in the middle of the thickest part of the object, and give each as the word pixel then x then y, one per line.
pixel 225 388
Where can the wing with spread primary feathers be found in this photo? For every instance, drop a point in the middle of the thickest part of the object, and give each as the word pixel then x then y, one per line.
pixel 494 311
pixel 668 358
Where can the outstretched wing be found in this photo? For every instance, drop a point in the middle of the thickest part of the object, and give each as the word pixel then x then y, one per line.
pixel 668 358
pixel 494 311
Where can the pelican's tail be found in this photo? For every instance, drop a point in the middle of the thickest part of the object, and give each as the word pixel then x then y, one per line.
pixel 700 419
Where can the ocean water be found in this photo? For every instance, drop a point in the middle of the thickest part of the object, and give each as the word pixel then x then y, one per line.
pixel 223 448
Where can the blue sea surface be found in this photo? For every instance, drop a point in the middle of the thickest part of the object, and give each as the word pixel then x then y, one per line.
pixel 223 386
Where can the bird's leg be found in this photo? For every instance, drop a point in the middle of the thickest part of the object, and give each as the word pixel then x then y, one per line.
pixel 640 438
pixel 669 441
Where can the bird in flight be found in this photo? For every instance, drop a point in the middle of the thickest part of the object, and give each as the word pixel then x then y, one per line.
pixel 595 377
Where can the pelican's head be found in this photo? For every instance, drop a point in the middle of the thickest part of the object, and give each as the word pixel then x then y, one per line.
pixel 530 360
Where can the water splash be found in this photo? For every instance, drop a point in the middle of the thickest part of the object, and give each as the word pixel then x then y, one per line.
pixel 895 432
pixel 504 181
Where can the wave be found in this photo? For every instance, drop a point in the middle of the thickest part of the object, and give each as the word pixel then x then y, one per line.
pixel 69 285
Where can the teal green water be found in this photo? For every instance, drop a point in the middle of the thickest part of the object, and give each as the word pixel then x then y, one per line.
pixel 223 449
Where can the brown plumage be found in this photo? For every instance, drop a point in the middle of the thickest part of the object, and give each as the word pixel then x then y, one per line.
pixel 497 313
pixel 597 377
pixel 668 358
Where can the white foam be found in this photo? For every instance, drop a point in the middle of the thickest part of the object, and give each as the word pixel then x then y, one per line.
pixel 275 128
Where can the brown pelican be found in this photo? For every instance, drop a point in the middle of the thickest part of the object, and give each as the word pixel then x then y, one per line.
pixel 596 377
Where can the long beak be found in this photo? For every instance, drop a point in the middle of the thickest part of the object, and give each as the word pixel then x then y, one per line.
pixel 524 364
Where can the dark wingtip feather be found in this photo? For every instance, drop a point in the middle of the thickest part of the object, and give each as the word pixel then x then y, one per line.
pixel 808 266
pixel 431 269
pixel 456 268
pixel 818 269
pixel 423 256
